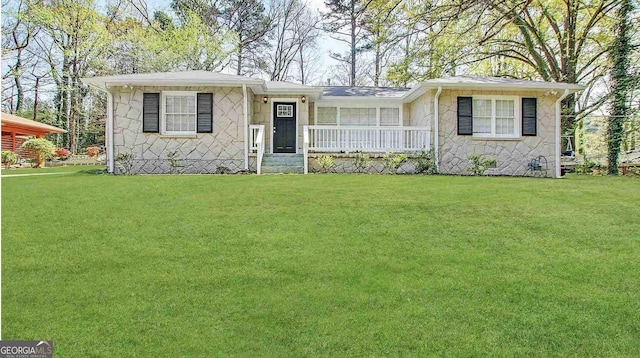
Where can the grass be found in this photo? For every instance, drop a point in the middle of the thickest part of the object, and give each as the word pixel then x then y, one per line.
pixel 60 169
pixel 322 265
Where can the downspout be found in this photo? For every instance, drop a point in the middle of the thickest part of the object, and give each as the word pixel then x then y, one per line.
pixel 558 129
pixel 436 115
pixel 109 130
pixel 245 110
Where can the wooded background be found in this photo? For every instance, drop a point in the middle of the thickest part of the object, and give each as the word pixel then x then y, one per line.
pixel 47 46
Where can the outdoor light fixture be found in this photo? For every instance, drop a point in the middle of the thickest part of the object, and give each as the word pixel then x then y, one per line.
pixel 304 99
pixel 265 99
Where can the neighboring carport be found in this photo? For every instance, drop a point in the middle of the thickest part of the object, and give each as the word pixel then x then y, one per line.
pixel 15 130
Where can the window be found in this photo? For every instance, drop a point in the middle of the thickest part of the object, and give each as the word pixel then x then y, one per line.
pixel 179 112
pixel 495 117
pixel 359 116
pixel 389 116
pixel 327 115
pixel 285 110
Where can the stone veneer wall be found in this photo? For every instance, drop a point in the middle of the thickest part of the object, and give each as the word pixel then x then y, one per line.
pixel 262 115
pixel 221 150
pixel 512 155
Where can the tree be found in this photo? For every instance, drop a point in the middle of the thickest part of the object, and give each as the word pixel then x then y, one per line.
pixel 343 21
pixel 294 34
pixel 620 57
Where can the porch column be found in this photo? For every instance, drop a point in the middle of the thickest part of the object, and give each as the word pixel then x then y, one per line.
pixel 13 142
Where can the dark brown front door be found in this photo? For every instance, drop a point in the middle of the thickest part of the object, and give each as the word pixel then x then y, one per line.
pixel 284 127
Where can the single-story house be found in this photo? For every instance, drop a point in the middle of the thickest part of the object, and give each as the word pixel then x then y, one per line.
pixel 16 130
pixel 211 122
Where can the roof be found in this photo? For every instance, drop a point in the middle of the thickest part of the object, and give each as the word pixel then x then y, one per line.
pixel 488 83
pixel 28 124
pixel 190 78
pixel 200 78
pixel 345 91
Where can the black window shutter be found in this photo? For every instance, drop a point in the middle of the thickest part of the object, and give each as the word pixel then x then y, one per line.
pixel 205 112
pixel 465 116
pixel 151 113
pixel 529 117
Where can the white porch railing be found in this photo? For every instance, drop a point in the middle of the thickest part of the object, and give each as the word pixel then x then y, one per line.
pixel 368 139
pixel 364 139
pixel 256 144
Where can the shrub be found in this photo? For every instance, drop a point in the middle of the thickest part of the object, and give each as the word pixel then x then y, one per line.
pixel 125 162
pixel 425 163
pixel 9 158
pixel 326 163
pixel 393 161
pixel 175 163
pixel 92 151
pixel 361 163
pixel 41 148
pixel 480 164
pixel 62 153
pixel 588 166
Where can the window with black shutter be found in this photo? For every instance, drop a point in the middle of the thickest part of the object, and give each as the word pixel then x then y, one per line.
pixel 151 113
pixel 465 116
pixel 529 117
pixel 205 113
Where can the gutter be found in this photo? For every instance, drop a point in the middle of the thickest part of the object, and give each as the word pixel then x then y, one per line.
pixel 245 109
pixel 109 130
pixel 436 141
pixel 558 129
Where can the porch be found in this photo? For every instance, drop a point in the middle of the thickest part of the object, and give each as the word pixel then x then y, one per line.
pixel 348 139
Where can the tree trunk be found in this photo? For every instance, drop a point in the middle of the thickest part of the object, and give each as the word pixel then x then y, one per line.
pixel 620 56
pixel 354 25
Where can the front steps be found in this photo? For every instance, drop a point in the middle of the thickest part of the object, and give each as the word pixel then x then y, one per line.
pixel 282 163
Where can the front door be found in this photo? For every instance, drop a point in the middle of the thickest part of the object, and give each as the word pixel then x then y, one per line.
pixel 284 127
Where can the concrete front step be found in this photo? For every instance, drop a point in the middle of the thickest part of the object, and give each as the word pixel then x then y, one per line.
pixel 284 169
pixel 282 163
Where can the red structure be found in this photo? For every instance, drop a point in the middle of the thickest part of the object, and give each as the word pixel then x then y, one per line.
pixel 15 130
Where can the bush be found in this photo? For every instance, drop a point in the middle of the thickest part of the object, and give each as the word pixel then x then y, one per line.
pixel 589 166
pixel 361 163
pixel 480 164
pixel 62 153
pixel 125 162
pixel 326 163
pixel 393 161
pixel 9 158
pixel 425 163
pixel 92 151
pixel 41 149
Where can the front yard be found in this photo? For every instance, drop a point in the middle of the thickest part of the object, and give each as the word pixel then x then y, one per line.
pixel 328 265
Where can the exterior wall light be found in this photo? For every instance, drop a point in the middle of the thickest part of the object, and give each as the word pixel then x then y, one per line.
pixel 265 99
pixel 303 99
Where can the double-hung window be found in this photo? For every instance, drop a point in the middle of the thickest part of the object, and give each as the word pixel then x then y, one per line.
pixel 361 116
pixel 496 117
pixel 179 113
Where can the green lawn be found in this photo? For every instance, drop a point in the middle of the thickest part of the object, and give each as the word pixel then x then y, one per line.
pixel 322 265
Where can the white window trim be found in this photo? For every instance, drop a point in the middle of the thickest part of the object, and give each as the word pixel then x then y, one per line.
pixel 340 105
pixel 516 114
pixel 163 118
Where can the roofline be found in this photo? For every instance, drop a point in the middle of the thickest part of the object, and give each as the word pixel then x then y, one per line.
pixel 421 88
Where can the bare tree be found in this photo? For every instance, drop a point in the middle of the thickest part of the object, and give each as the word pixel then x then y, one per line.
pixel 294 34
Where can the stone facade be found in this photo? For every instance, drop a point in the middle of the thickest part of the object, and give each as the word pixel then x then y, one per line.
pixel 512 155
pixel 223 150
pixel 220 151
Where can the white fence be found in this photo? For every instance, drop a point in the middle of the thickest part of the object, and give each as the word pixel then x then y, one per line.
pixel 368 139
